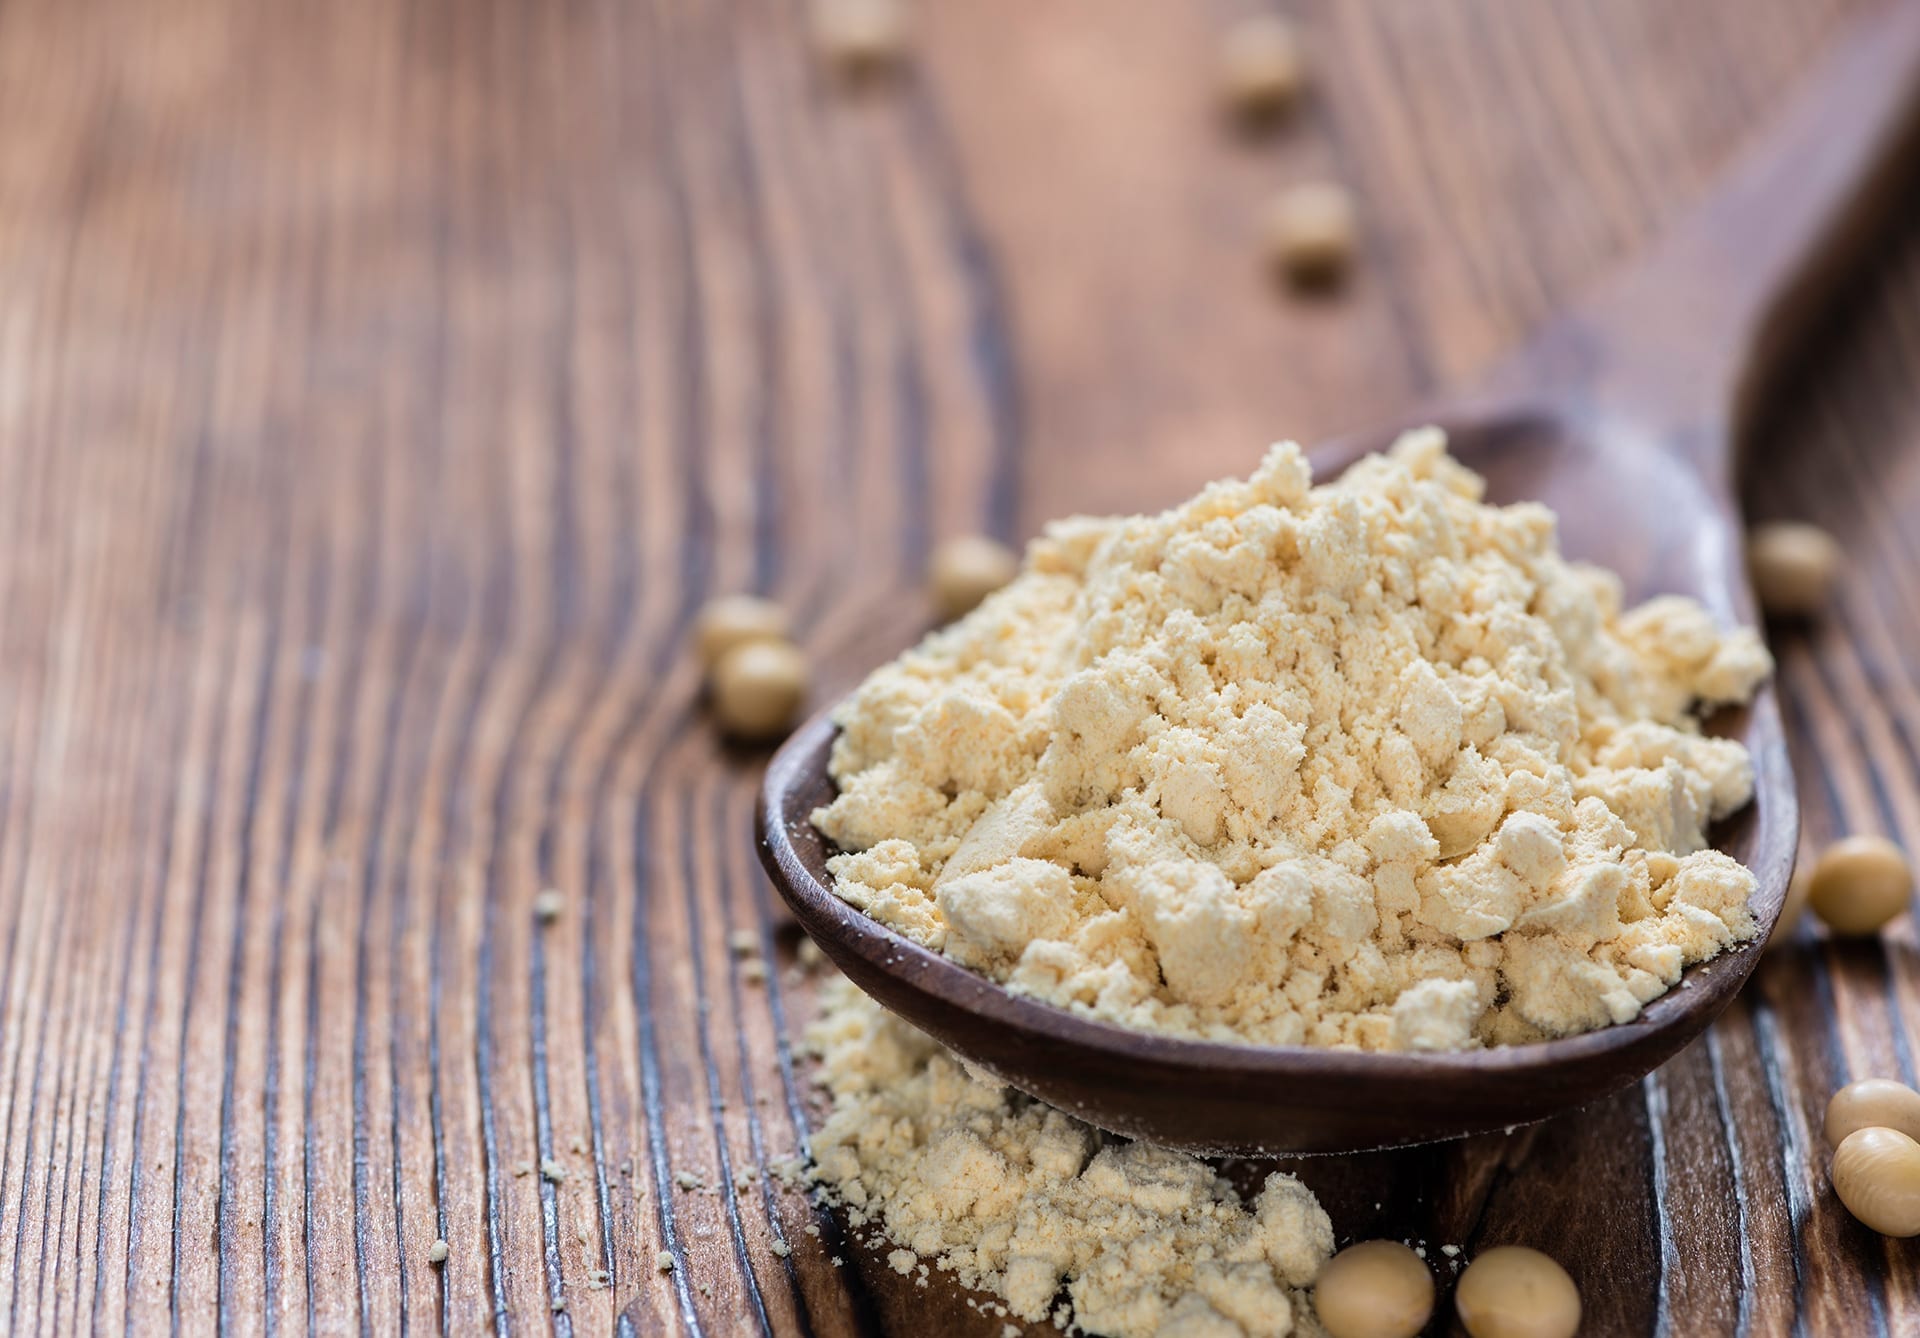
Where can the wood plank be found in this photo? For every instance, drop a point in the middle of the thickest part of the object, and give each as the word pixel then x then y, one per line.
pixel 383 387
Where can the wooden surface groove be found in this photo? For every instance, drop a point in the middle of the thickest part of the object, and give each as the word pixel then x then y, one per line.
pixel 382 390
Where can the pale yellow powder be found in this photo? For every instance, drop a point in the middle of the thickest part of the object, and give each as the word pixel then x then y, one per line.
pixel 1020 1200
pixel 1366 764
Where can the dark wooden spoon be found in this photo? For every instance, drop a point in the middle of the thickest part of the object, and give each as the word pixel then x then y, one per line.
pixel 1624 416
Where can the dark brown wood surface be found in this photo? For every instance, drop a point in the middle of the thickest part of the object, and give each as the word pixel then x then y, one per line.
pixel 382 385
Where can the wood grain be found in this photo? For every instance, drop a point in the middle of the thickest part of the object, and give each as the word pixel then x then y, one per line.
pixel 383 386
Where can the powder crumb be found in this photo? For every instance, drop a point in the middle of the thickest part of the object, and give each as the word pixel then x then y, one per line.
pixel 1009 1331
pixel 437 1252
pixel 1368 765
pixel 578 1146
pixel 549 906
pixel 689 1180
pixel 1451 1251
pixel 753 970
pixel 553 1171
pixel 663 1261
pixel 559 1304
pixel 781 1249
pixel 744 942
pixel 522 1169
pixel 813 1229
pixel 1019 1200
pixel 808 954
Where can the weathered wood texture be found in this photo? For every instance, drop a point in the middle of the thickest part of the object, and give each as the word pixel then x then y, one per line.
pixel 383 385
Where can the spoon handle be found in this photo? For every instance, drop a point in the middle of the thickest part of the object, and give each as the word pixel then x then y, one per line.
pixel 1681 344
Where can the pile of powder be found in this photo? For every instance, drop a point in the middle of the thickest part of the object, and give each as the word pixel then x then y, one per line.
pixel 1018 1199
pixel 1365 764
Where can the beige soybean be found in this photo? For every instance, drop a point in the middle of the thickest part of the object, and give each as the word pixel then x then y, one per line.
pixel 1514 1292
pixel 965 570
pixel 759 688
pixel 1261 70
pixel 1375 1289
pixel 1311 233
pixel 1876 1173
pixel 1872 1103
pixel 1860 883
pixel 860 39
pixel 734 620
pixel 1793 566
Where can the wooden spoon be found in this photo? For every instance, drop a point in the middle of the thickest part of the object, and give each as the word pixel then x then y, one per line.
pixel 1623 415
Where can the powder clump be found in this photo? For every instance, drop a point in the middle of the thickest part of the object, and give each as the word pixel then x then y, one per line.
pixel 1020 1200
pixel 1367 764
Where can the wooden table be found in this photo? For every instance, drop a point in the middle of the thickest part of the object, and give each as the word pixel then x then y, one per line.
pixel 383 386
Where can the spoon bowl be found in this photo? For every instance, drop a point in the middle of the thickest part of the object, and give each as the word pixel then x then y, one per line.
pixel 1212 1097
pixel 1623 415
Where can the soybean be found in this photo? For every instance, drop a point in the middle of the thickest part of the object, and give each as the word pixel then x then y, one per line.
pixel 734 620
pixel 1860 883
pixel 759 688
pixel 860 39
pixel 1793 566
pixel 1514 1292
pixel 965 570
pixel 1261 70
pixel 1375 1289
pixel 1872 1103
pixel 1312 233
pixel 1876 1173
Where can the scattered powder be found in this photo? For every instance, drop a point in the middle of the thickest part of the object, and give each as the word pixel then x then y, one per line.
pixel 744 942
pixel 1017 1199
pixel 689 1180
pixel 553 1170
pixel 663 1261
pixel 1367 764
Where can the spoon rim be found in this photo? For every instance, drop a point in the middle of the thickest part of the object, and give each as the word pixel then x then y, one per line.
pixel 1702 992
